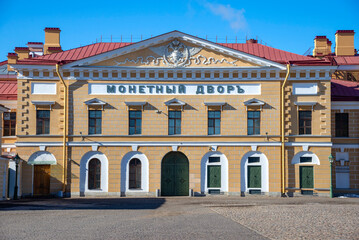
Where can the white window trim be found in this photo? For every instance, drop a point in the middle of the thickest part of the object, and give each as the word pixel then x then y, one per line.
pixel 84 172
pixel 125 172
pixel 296 158
pixel 263 162
pixel 224 171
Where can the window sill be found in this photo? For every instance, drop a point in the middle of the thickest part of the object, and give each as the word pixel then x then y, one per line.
pixel 9 137
pixel 94 190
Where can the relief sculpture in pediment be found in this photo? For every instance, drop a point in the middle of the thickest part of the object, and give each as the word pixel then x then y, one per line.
pixel 175 54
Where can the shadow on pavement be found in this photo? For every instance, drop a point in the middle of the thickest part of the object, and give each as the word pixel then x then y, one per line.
pixel 83 204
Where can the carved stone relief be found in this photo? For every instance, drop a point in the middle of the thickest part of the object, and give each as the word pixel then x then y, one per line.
pixel 175 54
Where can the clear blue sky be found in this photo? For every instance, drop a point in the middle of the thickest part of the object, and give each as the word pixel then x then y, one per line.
pixel 287 25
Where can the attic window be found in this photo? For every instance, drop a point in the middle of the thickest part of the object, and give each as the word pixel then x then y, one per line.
pixel 254 103
pixel 95 102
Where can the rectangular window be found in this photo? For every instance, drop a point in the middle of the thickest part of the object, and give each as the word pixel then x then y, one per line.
pixel 214 159
pixel 43 122
pixel 341 125
pixel 9 123
pixel 214 122
pixel 305 122
pixel 253 160
pixel 95 121
pixel 305 159
pixel 174 122
pixel 253 122
pixel 135 121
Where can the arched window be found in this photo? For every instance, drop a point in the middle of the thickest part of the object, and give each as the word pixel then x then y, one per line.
pixel 94 177
pixel 135 174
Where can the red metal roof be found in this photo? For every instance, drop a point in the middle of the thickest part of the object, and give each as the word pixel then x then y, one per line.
pixel 347 60
pixel 8 90
pixel 3 62
pixel 269 53
pixel 255 49
pixel 344 90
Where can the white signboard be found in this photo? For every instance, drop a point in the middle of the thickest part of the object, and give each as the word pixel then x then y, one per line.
pixel 305 88
pixel 174 89
pixel 43 88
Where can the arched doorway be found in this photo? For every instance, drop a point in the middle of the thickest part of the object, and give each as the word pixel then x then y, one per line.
pixel 174 175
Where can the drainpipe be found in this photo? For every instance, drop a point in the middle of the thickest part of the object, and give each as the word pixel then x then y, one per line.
pixel 64 135
pixel 283 132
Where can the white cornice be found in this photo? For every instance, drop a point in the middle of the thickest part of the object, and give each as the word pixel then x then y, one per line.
pixel 149 143
pixel 311 144
pixel 348 68
pixel 338 105
pixel 345 145
pixel 170 144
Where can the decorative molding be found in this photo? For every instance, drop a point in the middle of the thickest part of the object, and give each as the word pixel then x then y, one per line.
pixel 344 105
pixel 94 147
pixel 42 148
pixel 305 88
pixel 95 102
pixel 170 37
pixel 134 148
pixel 343 146
pixel 213 148
pixel 175 148
pixel 305 147
pixel 311 144
pixel 148 144
pixel 43 103
pixel 305 104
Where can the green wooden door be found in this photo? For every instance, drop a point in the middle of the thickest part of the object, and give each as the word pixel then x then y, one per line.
pixel 175 175
pixel 254 177
pixel 306 177
pixel 213 176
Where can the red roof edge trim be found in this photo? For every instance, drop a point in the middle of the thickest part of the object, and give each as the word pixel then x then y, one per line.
pixel 54 48
pixel 345 31
pixel 21 48
pixel 321 37
pixel 35 43
pixel 52 28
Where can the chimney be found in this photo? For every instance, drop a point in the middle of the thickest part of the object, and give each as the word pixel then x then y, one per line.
pixel 36 48
pixel 52 40
pixel 344 43
pixel 22 52
pixel 11 59
pixel 252 41
pixel 322 46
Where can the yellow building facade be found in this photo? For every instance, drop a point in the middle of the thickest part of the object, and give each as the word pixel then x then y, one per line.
pixel 174 115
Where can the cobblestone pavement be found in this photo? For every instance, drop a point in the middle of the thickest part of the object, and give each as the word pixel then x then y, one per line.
pixel 217 217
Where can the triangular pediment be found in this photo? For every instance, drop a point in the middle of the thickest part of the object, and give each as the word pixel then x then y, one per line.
pixel 175 50
pixel 94 102
pixel 254 102
pixel 175 102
